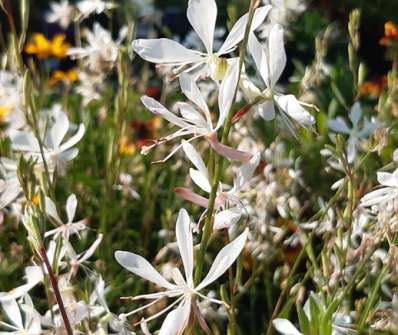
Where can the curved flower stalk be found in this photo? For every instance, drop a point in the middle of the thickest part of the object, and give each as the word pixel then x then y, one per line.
pixel 28 322
pixel 195 120
pixel 57 152
pixel 356 133
pixel 270 61
pixel 101 52
pixel 68 228
pixel 183 289
pixel 202 15
pixel 226 215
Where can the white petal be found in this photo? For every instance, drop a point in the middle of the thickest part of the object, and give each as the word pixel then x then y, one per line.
pixel 194 157
pixel 387 179
pixel 71 205
pixel 51 210
pixel 202 15
pixel 189 113
pixel 290 105
pixel 158 109
pixel 355 113
pixel 73 139
pixel 185 243
pixel 227 91
pixel 58 130
pixel 238 30
pixel 266 110
pixel 12 311
pixel 276 53
pixel 227 218
pixel 285 327
pixel 192 92
pixel 339 125
pixel 165 51
pixel 141 267
pixel 224 259
pixel 200 180
pixel 245 172
pixel 260 58
pixel 23 141
pixel 176 320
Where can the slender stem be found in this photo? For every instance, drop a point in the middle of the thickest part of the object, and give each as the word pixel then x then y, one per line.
pixel 208 226
pixel 55 287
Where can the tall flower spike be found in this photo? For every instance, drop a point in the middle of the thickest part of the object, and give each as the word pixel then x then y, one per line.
pixel 195 120
pixel 183 289
pixel 270 61
pixel 202 16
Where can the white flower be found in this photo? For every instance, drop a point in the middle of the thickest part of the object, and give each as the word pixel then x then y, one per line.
pixel 386 197
pixel 270 61
pixel 183 288
pixel 91 86
pixel 195 120
pixel 33 276
pixel 202 16
pixel 62 13
pixel 56 153
pixel 356 133
pixel 101 52
pixel 227 216
pixel 68 228
pixel 88 7
pixel 11 110
pixel 29 324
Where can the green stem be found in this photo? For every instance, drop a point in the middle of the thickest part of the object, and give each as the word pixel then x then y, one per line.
pixel 208 226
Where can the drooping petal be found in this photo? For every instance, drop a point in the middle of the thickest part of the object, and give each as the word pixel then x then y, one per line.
pixel 237 32
pixel 158 109
pixel 71 204
pixel 291 106
pixel 224 259
pixel 202 15
pixel 185 243
pixel 141 267
pixel 165 51
pixel 260 58
pixel 176 320
pixel 285 327
pixel 190 114
pixel 227 151
pixel 191 196
pixel 227 91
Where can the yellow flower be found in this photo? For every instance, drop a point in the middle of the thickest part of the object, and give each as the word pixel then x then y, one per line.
pixel 40 46
pixel 126 148
pixel 36 199
pixel 4 111
pixel 67 77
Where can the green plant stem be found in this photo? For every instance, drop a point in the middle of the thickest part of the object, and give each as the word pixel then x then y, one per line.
pixel 208 226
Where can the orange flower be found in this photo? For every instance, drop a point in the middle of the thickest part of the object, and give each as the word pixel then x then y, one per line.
pixel 67 77
pixel 125 147
pixel 390 34
pixel 373 88
pixel 43 48
pixel 145 130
